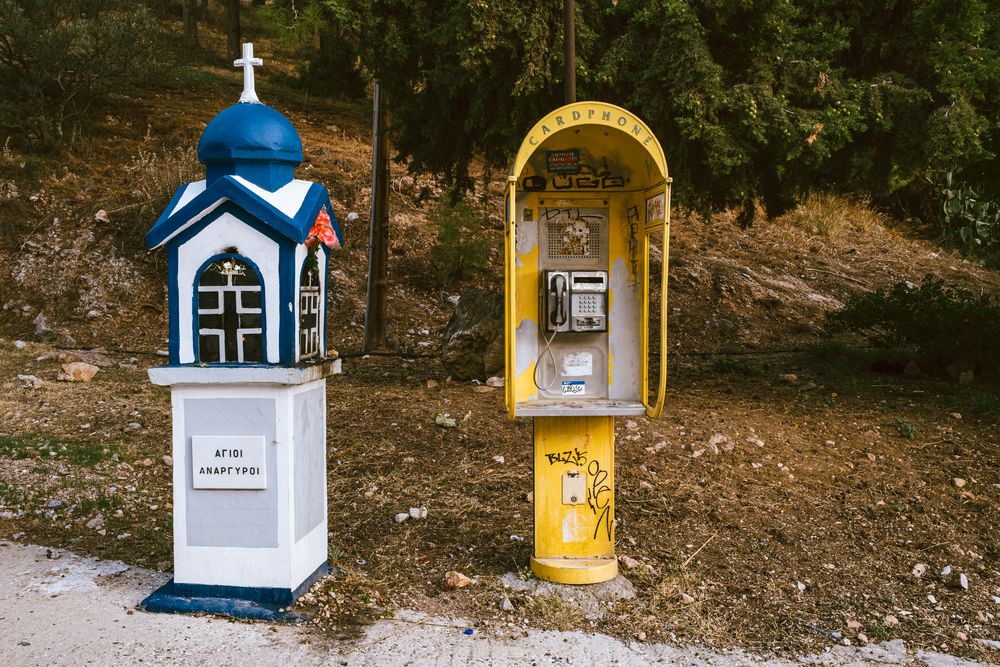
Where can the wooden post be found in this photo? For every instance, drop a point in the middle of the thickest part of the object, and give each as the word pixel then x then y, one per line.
pixel 233 29
pixel 378 240
pixel 569 49
pixel 190 20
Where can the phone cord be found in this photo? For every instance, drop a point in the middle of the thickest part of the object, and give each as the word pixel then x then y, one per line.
pixel 538 363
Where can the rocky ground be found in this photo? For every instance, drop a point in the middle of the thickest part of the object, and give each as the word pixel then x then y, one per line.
pixel 61 609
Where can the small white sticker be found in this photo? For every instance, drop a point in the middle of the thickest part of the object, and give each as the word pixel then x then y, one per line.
pixel 573 387
pixel 578 364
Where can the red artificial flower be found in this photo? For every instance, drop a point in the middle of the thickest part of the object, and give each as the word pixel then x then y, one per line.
pixel 322 232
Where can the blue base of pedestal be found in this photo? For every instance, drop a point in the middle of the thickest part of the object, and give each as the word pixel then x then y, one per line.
pixel 243 602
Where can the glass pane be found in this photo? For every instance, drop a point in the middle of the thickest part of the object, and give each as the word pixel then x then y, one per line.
pixel 250 321
pixel 212 275
pixel 208 349
pixel 250 299
pixel 208 300
pixel 252 348
pixel 246 277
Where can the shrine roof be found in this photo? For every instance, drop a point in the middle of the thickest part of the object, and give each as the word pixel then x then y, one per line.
pixel 290 210
pixel 250 131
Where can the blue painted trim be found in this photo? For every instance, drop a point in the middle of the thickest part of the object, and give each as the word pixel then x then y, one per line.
pixel 163 602
pixel 176 198
pixel 226 187
pixel 195 342
pixel 287 322
pixel 247 602
pixel 173 307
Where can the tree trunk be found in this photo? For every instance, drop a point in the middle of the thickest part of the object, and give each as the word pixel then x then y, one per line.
pixel 204 10
pixel 233 44
pixel 190 23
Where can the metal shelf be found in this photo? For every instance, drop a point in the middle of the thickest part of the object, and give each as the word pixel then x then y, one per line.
pixel 587 407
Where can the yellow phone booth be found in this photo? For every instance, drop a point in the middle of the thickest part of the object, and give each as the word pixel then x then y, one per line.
pixel 588 189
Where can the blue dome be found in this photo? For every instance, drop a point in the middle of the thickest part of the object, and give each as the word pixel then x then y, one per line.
pixel 253 141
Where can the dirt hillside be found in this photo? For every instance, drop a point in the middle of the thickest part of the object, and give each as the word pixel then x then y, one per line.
pixel 788 491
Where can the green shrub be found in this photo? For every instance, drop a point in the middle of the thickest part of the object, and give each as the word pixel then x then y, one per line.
pixel 59 57
pixel 461 249
pixel 968 216
pixel 907 429
pixel 941 324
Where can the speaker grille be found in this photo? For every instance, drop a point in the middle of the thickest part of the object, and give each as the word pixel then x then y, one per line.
pixel 576 239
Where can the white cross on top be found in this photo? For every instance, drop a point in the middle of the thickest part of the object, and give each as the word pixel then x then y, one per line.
pixel 247 62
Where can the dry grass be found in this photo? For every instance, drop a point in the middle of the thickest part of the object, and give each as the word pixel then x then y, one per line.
pixel 154 177
pixel 833 215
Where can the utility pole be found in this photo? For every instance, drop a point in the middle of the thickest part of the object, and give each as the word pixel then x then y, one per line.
pixel 378 238
pixel 233 39
pixel 569 48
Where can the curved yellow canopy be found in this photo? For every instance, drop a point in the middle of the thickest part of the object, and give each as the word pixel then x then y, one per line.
pixel 600 128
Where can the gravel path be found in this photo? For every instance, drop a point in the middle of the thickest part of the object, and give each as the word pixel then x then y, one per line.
pixel 80 611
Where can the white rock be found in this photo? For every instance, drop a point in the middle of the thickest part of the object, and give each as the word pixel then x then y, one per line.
pixel 517 538
pixel 93 314
pixel 755 441
pixel 629 562
pixel 946 570
pixel 20 344
pixel 352 216
pixel 506 604
pixel 495 381
pixel 28 382
pixel 135 426
pixel 652 449
pixel 418 512
pixel 454 299
pixel 723 441
pixel 499 458
pixel 102 216
pixel 401 517
pixel 919 570
pixel 712 448
pixel 168 460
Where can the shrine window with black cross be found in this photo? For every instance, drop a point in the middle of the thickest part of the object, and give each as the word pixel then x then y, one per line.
pixel 309 312
pixel 230 315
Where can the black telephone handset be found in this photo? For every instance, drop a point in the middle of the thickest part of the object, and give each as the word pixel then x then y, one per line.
pixel 557 285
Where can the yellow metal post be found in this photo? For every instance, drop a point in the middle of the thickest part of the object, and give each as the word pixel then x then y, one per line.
pixel 574 499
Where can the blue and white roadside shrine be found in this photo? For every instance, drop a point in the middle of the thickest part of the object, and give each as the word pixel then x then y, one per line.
pixel 247 251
